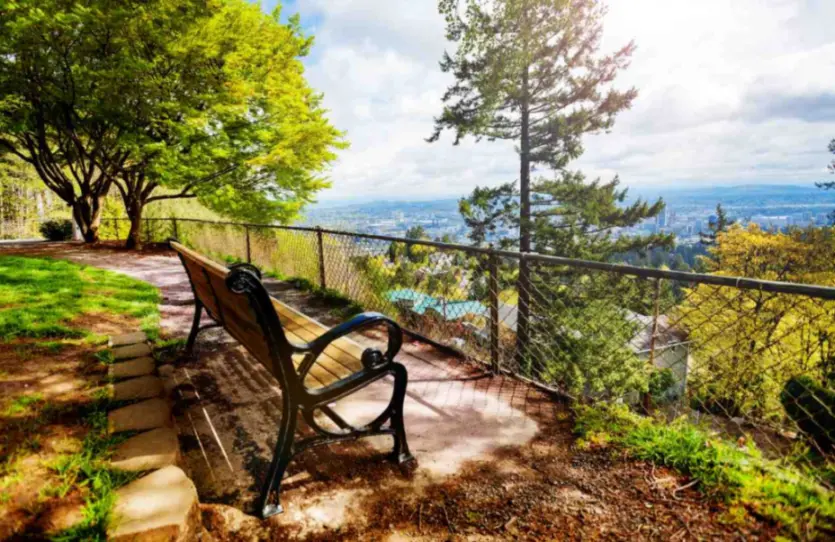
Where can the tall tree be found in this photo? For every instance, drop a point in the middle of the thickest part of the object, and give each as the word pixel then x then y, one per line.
pixel 231 121
pixel 530 71
pixel 715 226
pixel 165 99
pixel 53 54
pixel 829 185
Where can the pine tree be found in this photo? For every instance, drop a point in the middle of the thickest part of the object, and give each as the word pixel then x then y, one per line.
pixel 829 185
pixel 715 227
pixel 529 71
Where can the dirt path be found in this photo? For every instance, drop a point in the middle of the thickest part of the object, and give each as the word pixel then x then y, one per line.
pixel 496 457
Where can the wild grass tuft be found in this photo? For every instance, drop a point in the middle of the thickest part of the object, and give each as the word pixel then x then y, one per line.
pixel 23 404
pixel 88 470
pixel 740 475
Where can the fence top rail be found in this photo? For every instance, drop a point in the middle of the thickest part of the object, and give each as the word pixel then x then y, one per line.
pixel 811 290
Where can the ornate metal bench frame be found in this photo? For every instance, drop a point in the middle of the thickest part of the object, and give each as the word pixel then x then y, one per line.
pixel 245 280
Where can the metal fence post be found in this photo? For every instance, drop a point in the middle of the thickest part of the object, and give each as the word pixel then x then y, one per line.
pixel 248 246
pixel 322 282
pixel 494 311
pixel 656 296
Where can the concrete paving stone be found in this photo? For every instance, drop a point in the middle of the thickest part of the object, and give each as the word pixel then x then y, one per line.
pixel 142 387
pixel 148 414
pixel 154 449
pixel 131 351
pixel 127 338
pixel 135 367
pixel 161 506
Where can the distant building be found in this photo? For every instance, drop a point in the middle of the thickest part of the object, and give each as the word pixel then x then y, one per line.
pixel 661 219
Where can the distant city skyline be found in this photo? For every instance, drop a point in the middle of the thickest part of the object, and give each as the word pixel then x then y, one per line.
pixel 729 93
pixel 688 213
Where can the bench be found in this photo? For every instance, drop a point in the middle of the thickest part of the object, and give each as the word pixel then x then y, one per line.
pixel 314 365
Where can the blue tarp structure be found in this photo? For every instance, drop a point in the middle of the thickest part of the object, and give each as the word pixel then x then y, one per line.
pixel 449 310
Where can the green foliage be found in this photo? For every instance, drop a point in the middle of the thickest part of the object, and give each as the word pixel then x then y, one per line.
pixel 812 407
pixel 531 64
pixel 739 475
pixel 660 383
pixel 57 229
pixel 24 200
pixel 716 227
pixel 572 218
pixel 749 343
pixel 204 99
pixel 244 132
pixel 582 351
pixel 22 403
pixel 41 297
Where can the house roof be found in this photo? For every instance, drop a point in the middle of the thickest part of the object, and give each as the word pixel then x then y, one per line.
pixel 420 303
pixel 666 334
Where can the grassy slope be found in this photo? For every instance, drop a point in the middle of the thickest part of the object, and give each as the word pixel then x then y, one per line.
pixel 726 470
pixel 41 301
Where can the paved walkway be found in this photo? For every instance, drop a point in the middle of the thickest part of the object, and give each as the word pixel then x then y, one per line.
pixel 228 409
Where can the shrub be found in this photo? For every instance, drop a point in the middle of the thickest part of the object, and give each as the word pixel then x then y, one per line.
pixel 662 385
pixel 812 407
pixel 57 230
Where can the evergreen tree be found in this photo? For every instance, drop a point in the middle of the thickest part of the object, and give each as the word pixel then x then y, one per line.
pixel 715 227
pixel 829 185
pixel 529 71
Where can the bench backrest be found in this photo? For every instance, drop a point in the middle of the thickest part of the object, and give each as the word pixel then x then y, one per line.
pixel 251 318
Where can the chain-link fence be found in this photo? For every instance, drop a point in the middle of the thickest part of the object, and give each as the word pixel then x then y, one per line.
pixel 20 229
pixel 753 360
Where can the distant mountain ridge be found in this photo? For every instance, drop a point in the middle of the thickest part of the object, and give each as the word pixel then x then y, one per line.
pixel 743 196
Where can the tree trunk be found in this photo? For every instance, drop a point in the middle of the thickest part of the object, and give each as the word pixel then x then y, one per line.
pixel 134 210
pixel 86 212
pixel 524 284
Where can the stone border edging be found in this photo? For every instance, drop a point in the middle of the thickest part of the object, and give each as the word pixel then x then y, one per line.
pixel 163 504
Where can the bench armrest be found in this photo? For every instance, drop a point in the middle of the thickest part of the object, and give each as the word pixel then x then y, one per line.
pixel 371 358
pixel 247 266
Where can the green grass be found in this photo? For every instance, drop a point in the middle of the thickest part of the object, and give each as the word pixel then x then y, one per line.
pixel 741 476
pixel 22 403
pixel 88 469
pixel 39 298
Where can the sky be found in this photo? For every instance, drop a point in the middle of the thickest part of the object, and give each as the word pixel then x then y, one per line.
pixel 729 92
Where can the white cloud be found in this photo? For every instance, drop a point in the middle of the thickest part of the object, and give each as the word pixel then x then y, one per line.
pixel 728 92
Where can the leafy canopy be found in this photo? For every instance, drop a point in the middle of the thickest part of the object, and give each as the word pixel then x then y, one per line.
pixel 206 98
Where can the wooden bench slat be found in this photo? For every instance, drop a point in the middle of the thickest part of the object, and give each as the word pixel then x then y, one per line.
pixel 344 351
pixel 334 364
pixel 344 343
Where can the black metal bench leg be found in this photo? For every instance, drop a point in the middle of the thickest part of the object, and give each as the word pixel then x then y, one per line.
pixel 281 459
pixel 195 327
pixel 401 453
